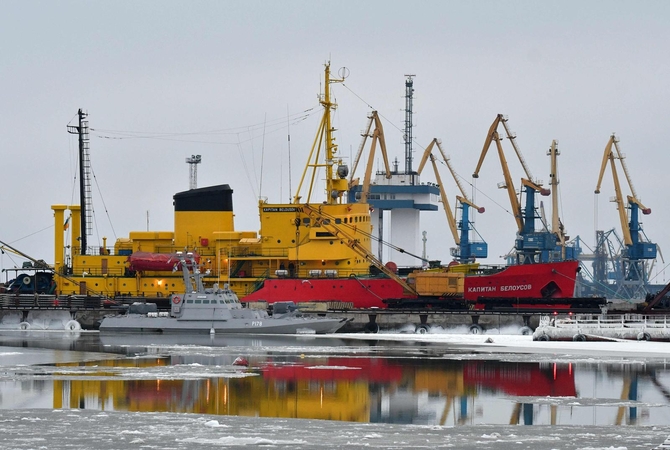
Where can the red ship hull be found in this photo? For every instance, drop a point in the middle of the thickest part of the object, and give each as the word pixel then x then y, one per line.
pixel 546 280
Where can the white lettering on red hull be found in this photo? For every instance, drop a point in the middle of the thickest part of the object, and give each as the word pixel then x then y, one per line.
pixel 487 289
pixel 478 289
pixel 521 287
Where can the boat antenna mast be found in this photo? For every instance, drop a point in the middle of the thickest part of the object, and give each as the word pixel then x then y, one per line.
pixel 191 272
pixel 85 197
pixel 336 182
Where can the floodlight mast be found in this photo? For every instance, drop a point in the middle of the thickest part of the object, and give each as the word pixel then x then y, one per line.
pixel 193 161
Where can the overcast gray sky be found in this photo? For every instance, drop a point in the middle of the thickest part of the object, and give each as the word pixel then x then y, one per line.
pixel 202 77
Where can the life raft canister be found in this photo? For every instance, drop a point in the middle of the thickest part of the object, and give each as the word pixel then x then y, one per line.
pixel 176 299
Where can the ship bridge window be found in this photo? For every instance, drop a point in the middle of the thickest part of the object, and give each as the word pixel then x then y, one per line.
pixel 189 301
pixel 338 221
pixel 305 221
pixel 206 302
pixel 326 221
pixel 197 302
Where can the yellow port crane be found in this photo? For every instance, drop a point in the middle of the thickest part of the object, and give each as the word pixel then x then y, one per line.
pixel 634 276
pixel 531 246
pixel 377 136
pixel 567 250
pixel 466 250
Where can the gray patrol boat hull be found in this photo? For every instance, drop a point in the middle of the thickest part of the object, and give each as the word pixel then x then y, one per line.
pixel 215 311
pixel 141 323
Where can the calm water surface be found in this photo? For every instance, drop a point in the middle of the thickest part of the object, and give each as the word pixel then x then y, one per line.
pixel 333 379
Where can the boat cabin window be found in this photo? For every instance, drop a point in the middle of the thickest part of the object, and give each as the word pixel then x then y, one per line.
pixel 338 221
pixel 206 302
pixel 189 301
pixel 305 220
pixel 197 302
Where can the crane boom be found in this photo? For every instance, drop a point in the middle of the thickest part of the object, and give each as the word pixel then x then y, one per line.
pixel 365 135
pixel 464 198
pixel 603 164
pixel 512 137
pixel 38 263
pixel 353 243
pixel 492 134
pixel 491 137
pixel 623 219
pixel 509 185
pixel 377 136
pixel 447 208
pixel 461 240
pixel 608 156
pixel 622 159
pixel 451 220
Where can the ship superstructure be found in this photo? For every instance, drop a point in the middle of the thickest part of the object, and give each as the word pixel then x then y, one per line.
pixel 290 243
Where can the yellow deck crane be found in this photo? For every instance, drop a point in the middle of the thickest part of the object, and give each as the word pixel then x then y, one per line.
pixel 633 278
pixel 465 251
pixel 531 246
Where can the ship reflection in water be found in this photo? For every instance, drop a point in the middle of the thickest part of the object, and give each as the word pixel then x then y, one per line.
pixel 332 379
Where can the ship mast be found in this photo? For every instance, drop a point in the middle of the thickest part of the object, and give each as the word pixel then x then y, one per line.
pixel 336 183
pixel 85 198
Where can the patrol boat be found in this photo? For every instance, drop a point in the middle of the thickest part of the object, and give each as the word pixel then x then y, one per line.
pixel 213 310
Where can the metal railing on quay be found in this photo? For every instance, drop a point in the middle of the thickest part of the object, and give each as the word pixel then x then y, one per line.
pixel 613 321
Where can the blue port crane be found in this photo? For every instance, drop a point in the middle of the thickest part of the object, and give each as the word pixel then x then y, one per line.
pixel 466 250
pixel 637 248
pixel 531 246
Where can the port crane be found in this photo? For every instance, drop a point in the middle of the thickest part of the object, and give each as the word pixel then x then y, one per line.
pixel 377 136
pixel 637 249
pixel 531 246
pixel 465 251
pixel 564 249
